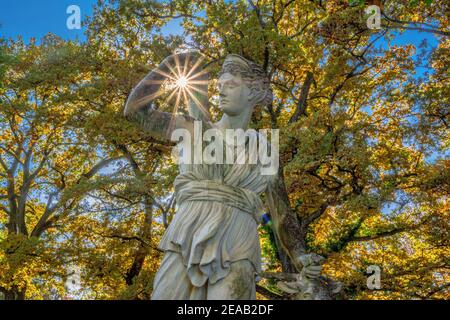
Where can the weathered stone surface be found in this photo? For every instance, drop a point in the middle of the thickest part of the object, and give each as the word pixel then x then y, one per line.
pixel 212 246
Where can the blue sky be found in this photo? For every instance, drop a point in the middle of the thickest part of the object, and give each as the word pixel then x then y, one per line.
pixel 29 19
pixel 36 18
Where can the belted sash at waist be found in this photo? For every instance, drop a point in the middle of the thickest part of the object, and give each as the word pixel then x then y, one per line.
pixel 188 187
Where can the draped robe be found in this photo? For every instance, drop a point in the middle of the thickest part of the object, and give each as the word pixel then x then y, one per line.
pixel 219 209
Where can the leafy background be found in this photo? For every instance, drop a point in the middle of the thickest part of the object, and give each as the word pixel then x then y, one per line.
pixel 363 118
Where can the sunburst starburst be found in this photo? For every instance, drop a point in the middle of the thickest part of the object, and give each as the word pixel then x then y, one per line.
pixel 182 82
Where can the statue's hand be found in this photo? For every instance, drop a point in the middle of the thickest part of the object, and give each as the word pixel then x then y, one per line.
pixel 309 264
pixel 189 64
pixel 147 89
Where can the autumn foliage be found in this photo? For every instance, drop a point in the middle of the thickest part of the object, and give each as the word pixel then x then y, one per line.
pixel 364 130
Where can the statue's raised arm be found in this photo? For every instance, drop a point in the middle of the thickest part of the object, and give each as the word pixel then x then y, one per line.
pixel 139 107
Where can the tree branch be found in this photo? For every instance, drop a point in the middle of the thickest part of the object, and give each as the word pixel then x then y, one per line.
pixel 401 25
pixel 302 101
pixel 44 222
pixel 267 293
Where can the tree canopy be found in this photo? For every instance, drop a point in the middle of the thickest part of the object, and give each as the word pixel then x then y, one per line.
pixel 364 141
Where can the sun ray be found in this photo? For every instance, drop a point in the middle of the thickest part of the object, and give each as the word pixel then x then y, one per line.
pixel 186 100
pixel 177 65
pixel 194 67
pixel 148 98
pixel 186 64
pixel 196 75
pixel 173 119
pixel 174 91
pixel 151 81
pixel 177 102
pixel 199 104
pixel 203 92
pixel 165 74
pixel 171 70
pixel 198 82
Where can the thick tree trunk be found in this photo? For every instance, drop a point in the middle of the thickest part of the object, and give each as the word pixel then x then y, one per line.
pixel 12 294
pixel 296 231
pixel 144 250
pixel 286 263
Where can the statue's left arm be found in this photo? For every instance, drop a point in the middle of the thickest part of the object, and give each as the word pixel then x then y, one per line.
pixel 139 105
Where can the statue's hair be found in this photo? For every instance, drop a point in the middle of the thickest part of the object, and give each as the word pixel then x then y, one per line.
pixel 253 75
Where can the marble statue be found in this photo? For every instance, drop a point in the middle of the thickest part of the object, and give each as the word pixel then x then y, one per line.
pixel 211 247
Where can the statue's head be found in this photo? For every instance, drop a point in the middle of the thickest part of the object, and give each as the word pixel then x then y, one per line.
pixel 243 84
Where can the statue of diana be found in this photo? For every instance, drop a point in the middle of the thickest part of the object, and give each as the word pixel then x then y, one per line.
pixel 211 247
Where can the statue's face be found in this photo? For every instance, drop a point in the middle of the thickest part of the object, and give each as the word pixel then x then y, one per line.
pixel 233 94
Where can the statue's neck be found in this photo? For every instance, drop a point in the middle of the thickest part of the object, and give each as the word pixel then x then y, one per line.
pixel 240 121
